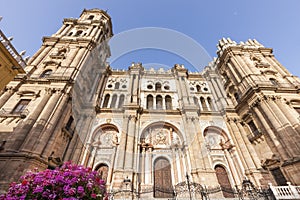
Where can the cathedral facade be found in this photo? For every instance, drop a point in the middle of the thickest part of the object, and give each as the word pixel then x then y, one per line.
pixel 146 129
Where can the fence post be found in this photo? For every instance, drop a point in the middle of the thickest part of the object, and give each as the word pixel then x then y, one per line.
pixel 294 190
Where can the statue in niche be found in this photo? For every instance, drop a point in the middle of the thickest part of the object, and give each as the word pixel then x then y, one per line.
pixel 213 141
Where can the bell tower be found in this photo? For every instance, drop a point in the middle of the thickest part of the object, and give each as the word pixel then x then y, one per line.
pixel 265 97
pixel 36 118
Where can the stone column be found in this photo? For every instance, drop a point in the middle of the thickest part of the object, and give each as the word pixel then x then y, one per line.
pixel 216 88
pixel 4 97
pixel 287 131
pixel 191 144
pixel 254 162
pixel 232 167
pixel 61 29
pixel 290 113
pixel 71 56
pixel 203 161
pixel 163 106
pixel 245 71
pixel 122 145
pixel 101 88
pixel 148 167
pixel 174 165
pixel 40 125
pixel 83 133
pixel 276 66
pixel 238 142
pixel 273 142
pixel 97 36
pixel 36 55
pixel 78 57
pixel 234 77
pixel 48 128
pixel 66 30
pixel 44 145
pixel 22 130
pixel 131 88
pixel 91 160
pixel 93 32
pixel 143 165
pixel 234 66
pixel 183 90
pixel 135 89
pixel 42 55
pixel 130 142
pixel 273 123
pixel 70 151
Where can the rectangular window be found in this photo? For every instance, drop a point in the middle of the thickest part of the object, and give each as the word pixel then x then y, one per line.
pixel 253 128
pixel 21 106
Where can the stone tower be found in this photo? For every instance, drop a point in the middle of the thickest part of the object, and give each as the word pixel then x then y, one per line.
pixel 36 123
pixel 263 109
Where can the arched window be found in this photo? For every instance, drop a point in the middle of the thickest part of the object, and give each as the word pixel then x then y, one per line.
pixel 236 96
pixel 102 169
pixel 117 85
pixel 157 87
pixel 158 102
pixel 162 179
pixel 223 180
pixel 78 33
pixel 105 102
pixel 121 101
pixel 203 104
pixel 210 104
pixel 198 88
pixel 113 101
pixel 168 100
pixel 91 17
pixel 149 101
pixel 46 73
pixel 273 81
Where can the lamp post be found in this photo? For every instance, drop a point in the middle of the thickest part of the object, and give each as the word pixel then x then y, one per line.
pixel 188 184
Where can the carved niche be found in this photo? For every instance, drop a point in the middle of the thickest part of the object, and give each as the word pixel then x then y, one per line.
pixel 107 137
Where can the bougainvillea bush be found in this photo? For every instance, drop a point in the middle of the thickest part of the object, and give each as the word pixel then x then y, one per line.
pixel 69 182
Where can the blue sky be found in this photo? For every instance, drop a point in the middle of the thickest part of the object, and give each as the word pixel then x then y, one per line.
pixel 274 23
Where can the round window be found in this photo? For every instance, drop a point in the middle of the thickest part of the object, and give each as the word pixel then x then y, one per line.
pixel 123 86
pixel 109 86
pixel 149 87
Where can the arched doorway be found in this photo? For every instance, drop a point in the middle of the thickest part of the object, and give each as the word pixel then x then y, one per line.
pixel 223 180
pixel 162 179
pixel 102 169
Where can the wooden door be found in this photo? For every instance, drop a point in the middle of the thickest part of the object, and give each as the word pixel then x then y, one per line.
pixel 223 180
pixel 162 179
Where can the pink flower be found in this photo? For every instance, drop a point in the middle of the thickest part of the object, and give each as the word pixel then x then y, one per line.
pixel 69 182
pixel 93 195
